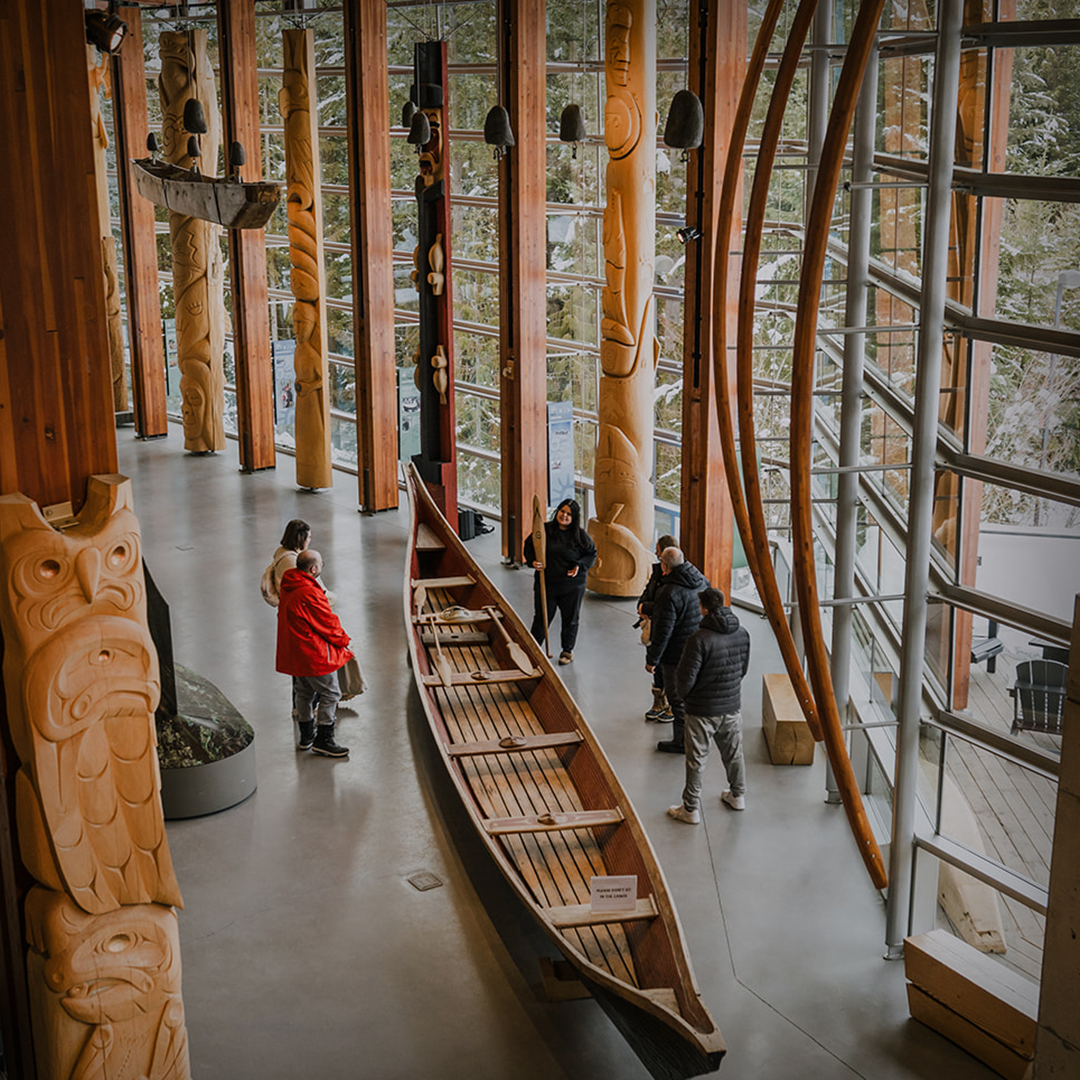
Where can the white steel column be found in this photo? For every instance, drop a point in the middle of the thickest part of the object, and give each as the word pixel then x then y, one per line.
pixel 924 445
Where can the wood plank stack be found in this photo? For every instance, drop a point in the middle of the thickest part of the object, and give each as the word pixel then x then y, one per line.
pixel 978 1003
pixel 786 730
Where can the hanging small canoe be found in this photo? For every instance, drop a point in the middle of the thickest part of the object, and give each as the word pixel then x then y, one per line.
pixel 545 801
pixel 231 203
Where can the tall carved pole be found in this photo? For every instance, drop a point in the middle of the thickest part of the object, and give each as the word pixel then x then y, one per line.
pixel 302 169
pixel 623 525
pixel 101 84
pixel 437 460
pixel 198 274
pixel 82 683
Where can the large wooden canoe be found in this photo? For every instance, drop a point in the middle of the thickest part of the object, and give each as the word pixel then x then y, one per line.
pixel 545 801
pixel 232 203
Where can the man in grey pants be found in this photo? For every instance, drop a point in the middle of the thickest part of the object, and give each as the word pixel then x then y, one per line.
pixel 709 679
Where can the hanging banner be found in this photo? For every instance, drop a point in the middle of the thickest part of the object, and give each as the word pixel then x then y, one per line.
pixel 560 415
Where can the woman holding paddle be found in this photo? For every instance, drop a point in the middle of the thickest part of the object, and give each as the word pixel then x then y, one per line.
pixel 560 574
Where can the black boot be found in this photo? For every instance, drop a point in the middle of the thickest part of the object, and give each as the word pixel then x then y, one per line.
pixel 324 743
pixel 307 734
pixel 675 744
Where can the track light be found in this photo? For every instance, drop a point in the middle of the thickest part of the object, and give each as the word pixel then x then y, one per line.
pixel 687 233
pixel 105 32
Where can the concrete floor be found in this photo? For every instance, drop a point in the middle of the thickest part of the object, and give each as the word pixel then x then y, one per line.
pixel 306 951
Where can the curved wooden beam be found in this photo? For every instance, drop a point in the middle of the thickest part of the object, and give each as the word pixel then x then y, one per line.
pixel 756 545
pixel 802 385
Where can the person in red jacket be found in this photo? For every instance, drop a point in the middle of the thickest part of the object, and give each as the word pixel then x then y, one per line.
pixel 311 647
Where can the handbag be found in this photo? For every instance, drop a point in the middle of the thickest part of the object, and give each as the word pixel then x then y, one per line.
pixel 268 584
pixel 646 629
pixel 351 679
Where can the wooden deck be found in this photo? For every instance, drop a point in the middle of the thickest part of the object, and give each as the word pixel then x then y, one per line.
pixel 1014 806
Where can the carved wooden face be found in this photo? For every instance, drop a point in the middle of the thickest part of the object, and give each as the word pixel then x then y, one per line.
pixel 73 615
pixel 105 968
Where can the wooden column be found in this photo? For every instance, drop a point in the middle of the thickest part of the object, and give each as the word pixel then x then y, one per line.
pixel 523 264
pixel 298 103
pixel 717 68
pixel 368 120
pixel 145 341
pixel 198 273
pixel 247 247
pixel 1057 1044
pixel 623 524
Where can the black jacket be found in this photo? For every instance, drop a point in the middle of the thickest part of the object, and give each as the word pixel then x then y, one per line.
pixel 713 664
pixel 565 548
pixel 647 599
pixel 676 613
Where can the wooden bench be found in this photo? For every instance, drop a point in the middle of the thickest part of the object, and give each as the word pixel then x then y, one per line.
pixel 977 1003
pixel 786 730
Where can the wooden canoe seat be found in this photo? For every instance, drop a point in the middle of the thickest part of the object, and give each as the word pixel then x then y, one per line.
pixel 580 915
pixel 515 744
pixel 552 822
pixel 443 582
pixel 427 540
pixel 434 619
pixel 483 677
pixel 467 637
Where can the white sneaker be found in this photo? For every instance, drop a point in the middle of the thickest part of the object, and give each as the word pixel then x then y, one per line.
pixel 680 813
pixel 736 802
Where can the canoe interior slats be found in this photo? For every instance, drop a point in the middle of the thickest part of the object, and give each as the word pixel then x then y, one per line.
pixel 426 540
pixel 511 744
pixel 443 582
pixel 555 866
pixel 551 821
pixel 484 675
pixel 449 641
pixel 581 915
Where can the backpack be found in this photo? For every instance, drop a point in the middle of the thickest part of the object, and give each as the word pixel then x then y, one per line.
pixel 267 585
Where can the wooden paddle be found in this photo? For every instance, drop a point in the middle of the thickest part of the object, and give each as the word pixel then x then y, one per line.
pixel 442 665
pixel 519 656
pixel 539 538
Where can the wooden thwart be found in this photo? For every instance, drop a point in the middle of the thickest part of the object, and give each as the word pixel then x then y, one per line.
pixel 469 637
pixel 552 822
pixel 515 744
pixel 482 676
pixel 570 915
pixel 443 582
pixel 426 540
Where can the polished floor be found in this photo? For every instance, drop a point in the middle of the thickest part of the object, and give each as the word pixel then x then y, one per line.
pixel 306 951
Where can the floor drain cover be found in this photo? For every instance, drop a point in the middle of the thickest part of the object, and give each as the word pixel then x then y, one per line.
pixel 425 880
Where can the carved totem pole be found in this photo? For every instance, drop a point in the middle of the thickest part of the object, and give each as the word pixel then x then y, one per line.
pixel 437 460
pixel 198 274
pixel 623 525
pixel 82 682
pixel 297 102
pixel 101 86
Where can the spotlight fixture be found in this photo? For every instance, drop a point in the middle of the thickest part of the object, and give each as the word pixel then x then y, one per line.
pixel 105 32
pixel 687 233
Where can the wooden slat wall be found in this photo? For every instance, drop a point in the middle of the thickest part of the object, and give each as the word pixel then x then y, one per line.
pixel 522 257
pixel 368 121
pixel 140 245
pixel 717 67
pixel 247 247
pixel 1057 1045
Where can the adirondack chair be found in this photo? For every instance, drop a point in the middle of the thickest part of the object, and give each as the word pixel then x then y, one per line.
pixel 1039 696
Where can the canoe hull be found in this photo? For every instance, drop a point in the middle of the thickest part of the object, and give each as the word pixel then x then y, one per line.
pixel 231 203
pixel 545 791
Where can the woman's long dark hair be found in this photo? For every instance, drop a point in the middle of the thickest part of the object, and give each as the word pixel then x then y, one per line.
pixel 577 534
pixel 296 532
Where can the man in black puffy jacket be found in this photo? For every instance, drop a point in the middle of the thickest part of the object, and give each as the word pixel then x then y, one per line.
pixel 676 615
pixel 709 679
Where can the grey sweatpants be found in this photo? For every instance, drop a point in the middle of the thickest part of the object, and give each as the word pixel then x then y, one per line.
pixel 726 731
pixel 321 689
